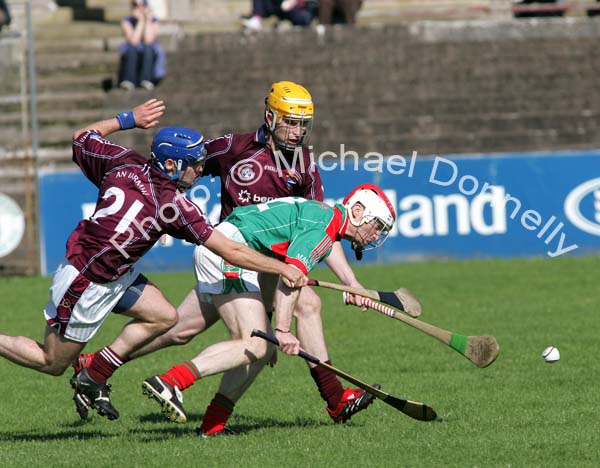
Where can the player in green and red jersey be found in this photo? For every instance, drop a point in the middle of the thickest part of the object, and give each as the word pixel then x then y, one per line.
pixel 301 233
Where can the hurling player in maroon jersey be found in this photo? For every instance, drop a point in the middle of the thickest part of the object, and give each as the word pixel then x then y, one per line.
pixel 272 162
pixel 138 201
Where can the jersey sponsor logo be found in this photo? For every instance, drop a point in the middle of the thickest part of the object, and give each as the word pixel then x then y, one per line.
pixel 244 196
pixel 12 225
pixel 582 206
pixel 259 199
pixel 270 168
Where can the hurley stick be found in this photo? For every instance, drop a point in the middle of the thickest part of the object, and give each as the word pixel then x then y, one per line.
pixel 480 350
pixel 414 409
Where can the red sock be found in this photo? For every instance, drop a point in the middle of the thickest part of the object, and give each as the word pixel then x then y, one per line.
pixel 329 386
pixel 104 364
pixel 217 413
pixel 182 375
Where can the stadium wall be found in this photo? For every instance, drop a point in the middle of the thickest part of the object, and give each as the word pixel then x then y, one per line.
pixel 477 206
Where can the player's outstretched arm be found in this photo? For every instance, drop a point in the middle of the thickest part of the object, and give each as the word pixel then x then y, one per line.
pixel 244 257
pixel 144 116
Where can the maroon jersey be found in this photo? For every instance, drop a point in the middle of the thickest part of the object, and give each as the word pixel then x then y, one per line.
pixel 136 204
pixel 250 173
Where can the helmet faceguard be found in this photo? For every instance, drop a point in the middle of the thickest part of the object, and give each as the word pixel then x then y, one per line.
pixel 289 114
pixel 377 207
pixel 184 146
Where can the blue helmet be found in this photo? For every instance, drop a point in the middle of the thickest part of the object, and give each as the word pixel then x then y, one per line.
pixel 183 145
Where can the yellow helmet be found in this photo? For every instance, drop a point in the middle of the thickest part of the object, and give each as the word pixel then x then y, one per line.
pixel 290 101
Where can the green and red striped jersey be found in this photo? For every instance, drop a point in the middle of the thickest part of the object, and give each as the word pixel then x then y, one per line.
pixel 300 232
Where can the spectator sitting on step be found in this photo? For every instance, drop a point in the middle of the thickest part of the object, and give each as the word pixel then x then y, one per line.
pixel 294 11
pixel 338 11
pixel 4 14
pixel 142 57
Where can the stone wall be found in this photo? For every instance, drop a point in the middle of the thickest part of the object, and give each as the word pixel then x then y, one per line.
pixel 432 87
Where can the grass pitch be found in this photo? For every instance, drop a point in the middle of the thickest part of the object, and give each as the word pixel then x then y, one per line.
pixel 519 412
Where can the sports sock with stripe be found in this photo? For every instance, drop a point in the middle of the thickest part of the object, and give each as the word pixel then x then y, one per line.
pixel 104 364
pixel 182 375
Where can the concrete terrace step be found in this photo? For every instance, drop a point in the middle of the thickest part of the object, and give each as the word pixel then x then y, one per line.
pixel 481 106
pixel 436 125
pixel 41 10
pixel 57 135
pixel 390 11
pixel 59 82
pixel 74 31
pixel 480 142
pixel 102 43
pixel 65 100
pixel 74 118
pixel 76 62
pixel 59 156
pixel 114 10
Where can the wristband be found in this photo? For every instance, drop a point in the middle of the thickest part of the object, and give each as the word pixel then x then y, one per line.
pixel 126 120
pixel 281 331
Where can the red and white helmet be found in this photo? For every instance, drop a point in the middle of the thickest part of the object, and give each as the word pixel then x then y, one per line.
pixel 377 206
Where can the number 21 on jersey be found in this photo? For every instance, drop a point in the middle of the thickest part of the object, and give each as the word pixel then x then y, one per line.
pixel 115 206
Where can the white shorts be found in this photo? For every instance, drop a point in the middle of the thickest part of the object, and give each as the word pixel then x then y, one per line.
pixel 215 276
pixel 77 307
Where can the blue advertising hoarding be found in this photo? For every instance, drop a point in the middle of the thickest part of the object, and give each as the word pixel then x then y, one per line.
pixel 476 206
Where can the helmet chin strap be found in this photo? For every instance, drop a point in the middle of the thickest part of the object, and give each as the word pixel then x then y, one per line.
pixel 356 246
pixel 183 186
pixel 358 250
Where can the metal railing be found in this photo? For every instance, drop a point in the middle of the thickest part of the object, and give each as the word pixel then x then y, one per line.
pixel 18 144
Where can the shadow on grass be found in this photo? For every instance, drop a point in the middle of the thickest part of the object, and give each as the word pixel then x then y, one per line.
pixel 242 425
pixel 28 436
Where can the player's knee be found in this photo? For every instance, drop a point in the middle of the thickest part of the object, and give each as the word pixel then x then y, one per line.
pixel 309 305
pixel 53 360
pixel 167 320
pixel 54 368
pixel 179 337
pixel 56 371
pixel 171 320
